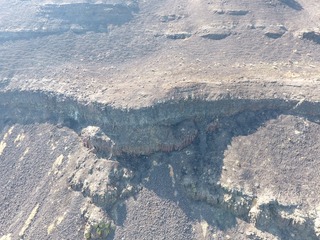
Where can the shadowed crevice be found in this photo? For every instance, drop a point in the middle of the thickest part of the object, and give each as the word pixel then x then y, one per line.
pixel 292 4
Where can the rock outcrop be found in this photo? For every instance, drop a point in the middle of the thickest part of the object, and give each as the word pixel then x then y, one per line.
pixel 125 119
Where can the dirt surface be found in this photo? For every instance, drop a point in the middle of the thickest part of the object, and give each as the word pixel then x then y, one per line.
pixel 273 156
pixel 173 119
pixel 135 63
pixel 33 183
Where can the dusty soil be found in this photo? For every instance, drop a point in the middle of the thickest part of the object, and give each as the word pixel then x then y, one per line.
pixel 134 63
pixel 154 119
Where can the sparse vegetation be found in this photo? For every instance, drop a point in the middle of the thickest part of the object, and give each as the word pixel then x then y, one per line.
pixel 98 231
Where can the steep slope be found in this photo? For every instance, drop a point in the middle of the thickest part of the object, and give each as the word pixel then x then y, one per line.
pixel 159 119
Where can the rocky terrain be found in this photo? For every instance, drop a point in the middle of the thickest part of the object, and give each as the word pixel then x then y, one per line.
pixel 159 119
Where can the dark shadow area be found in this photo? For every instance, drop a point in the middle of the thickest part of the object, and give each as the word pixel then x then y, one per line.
pixel 140 165
pixel 237 12
pixel 192 163
pixel 284 228
pixel 273 35
pixel 292 4
pixel 217 122
pixel 121 214
pixel 216 36
pixel 206 152
pixel 91 17
pixel 78 18
pixel 178 36
pixel 226 129
pixel 312 36
pixel 26 35
pixel 4 83
pixel 160 182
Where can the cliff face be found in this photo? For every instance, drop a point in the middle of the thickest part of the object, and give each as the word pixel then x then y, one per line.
pixel 159 120
pixel 241 160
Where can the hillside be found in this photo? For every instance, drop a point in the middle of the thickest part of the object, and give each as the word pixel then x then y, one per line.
pixel 172 119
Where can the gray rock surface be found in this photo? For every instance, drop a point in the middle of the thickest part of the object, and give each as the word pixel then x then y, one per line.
pixel 174 119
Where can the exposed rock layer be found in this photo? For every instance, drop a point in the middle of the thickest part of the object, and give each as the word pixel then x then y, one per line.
pixel 189 119
pixel 194 134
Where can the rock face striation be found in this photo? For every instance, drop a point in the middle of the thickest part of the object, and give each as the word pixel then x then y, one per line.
pixel 78 17
pixel 196 159
pixel 159 120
